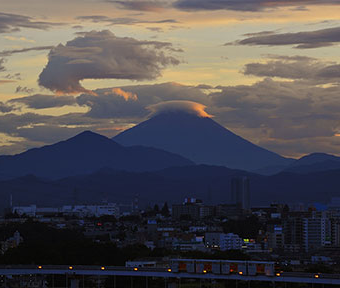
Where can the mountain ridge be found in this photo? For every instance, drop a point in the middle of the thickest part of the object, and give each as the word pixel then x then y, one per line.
pixel 314 162
pixel 200 139
pixel 83 154
pixel 172 185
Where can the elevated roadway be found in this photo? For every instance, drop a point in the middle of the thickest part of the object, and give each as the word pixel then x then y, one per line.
pixel 77 270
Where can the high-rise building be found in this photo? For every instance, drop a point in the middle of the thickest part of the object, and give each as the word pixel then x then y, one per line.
pixel 309 231
pixel 317 232
pixel 240 192
pixel 275 237
pixel 293 233
pixel 335 222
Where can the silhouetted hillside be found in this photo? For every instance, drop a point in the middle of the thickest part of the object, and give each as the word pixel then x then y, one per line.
pixel 209 183
pixel 314 162
pixel 83 154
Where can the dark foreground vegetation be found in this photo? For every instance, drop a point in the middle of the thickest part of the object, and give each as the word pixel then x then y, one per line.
pixel 46 245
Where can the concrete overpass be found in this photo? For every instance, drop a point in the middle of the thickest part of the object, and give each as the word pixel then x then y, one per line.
pixel 72 273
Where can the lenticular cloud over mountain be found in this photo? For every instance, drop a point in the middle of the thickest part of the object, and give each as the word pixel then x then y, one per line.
pixel 179 106
pixel 184 128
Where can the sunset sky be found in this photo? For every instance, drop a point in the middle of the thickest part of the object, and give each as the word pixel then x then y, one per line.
pixel 268 70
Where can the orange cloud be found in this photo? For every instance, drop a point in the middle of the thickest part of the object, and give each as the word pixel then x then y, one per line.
pixel 125 94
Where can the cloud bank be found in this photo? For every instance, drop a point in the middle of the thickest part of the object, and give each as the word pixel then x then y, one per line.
pixel 16 51
pixel 296 68
pixel 12 23
pixel 122 21
pixel 289 117
pixel 102 55
pixel 244 5
pixel 142 5
pixel 131 102
pixel 40 101
pixel 300 40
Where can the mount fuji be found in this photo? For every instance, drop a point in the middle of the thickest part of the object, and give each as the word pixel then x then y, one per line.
pixel 200 139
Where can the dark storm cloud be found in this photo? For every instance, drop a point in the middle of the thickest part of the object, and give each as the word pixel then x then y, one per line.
pixel 16 51
pixel 122 21
pixel 102 55
pixel 11 23
pixel 244 5
pixel 300 40
pixel 40 101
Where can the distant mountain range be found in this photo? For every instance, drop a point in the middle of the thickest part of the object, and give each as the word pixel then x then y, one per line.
pixel 201 140
pixel 83 154
pixel 209 183
pixel 171 185
pixel 166 140
pixel 314 162
pixel 100 168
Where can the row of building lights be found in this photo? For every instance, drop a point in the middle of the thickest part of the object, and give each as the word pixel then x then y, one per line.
pixel 101 268
pixel 169 270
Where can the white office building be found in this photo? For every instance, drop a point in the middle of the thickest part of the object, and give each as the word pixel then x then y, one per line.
pixel 223 241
